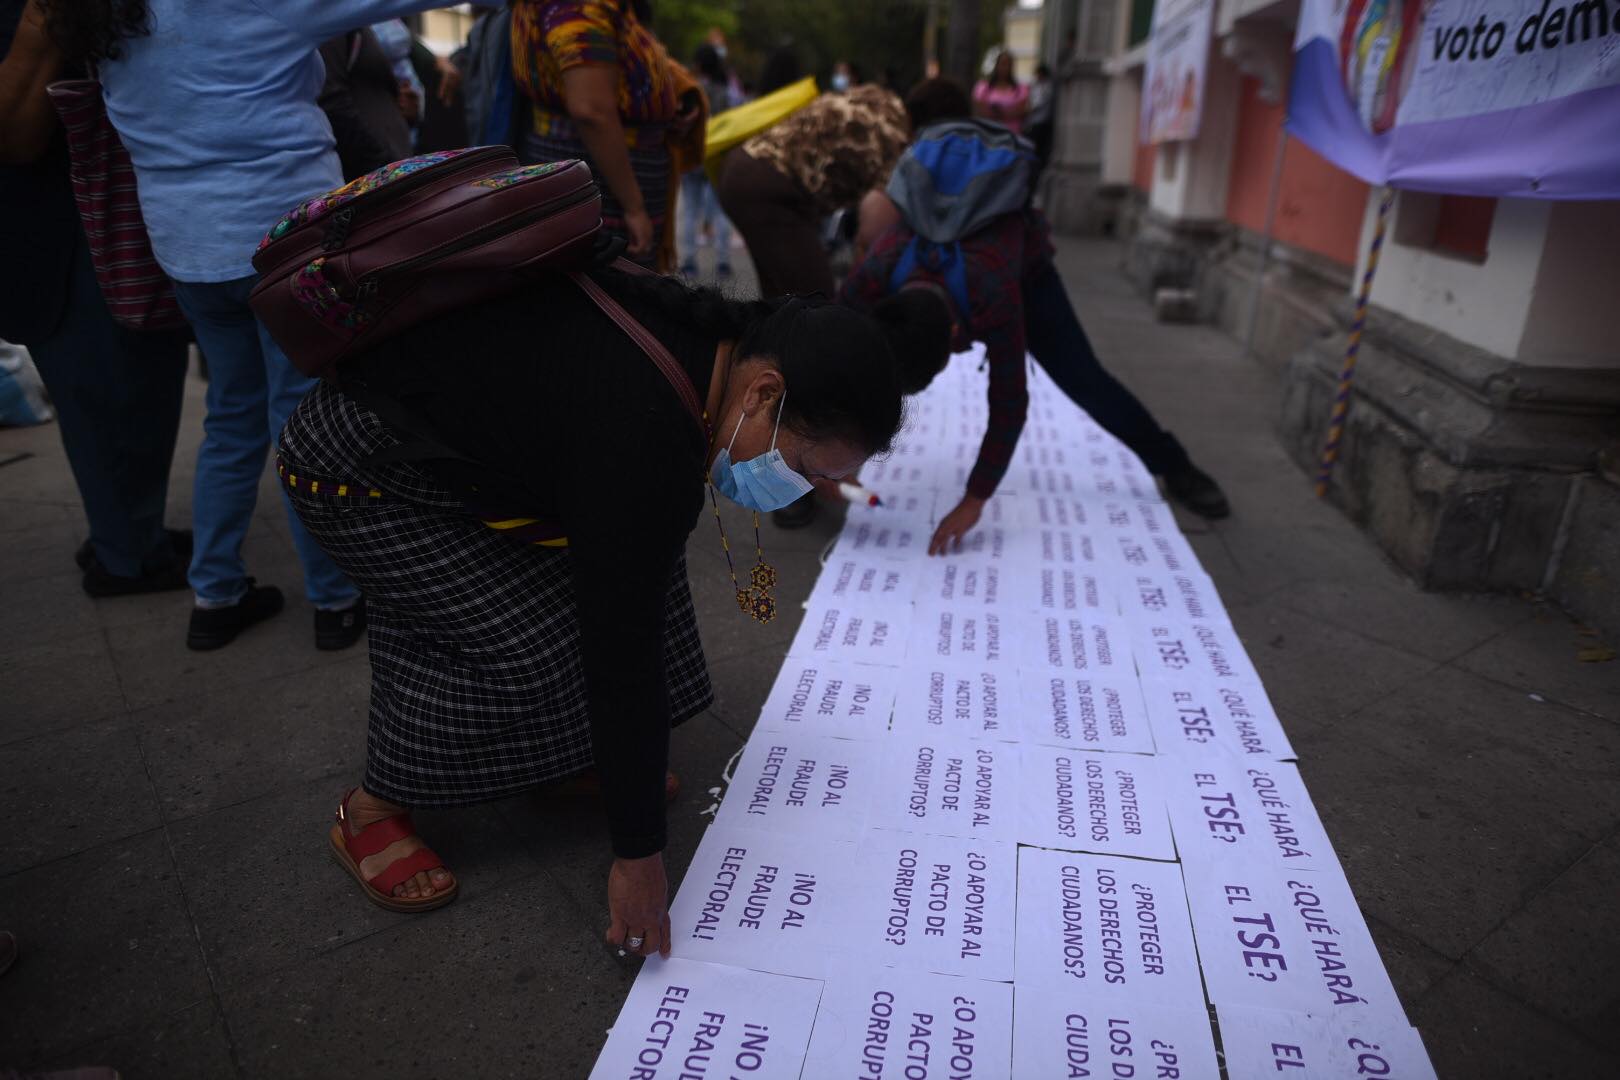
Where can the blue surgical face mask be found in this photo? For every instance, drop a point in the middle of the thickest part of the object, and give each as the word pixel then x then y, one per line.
pixel 762 483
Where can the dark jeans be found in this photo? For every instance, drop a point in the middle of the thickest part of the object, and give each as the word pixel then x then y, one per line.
pixel 780 224
pixel 1059 345
pixel 117 395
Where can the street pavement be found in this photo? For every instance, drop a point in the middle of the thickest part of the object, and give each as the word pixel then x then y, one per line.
pixel 163 813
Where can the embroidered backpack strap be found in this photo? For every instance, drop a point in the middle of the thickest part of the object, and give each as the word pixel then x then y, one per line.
pixel 648 344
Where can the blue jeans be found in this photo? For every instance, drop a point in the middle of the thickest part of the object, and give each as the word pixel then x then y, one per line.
pixel 252 389
pixel 1059 344
pixel 698 204
pixel 117 395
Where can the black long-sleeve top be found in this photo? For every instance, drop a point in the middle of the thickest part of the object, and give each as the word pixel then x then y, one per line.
pixel 564 418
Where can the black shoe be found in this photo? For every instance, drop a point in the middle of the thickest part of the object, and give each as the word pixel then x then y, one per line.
pixel 179 539
pixel 339 629
pixel 99 582
pixel 796 515
pixel 215 628
pixel 1195 489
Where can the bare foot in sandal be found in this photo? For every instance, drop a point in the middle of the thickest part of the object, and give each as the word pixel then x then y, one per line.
pixel 405 874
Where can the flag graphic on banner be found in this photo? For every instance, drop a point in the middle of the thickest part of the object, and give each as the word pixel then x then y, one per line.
pixel 1481 97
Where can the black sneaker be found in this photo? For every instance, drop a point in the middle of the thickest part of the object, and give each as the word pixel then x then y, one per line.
pixel 796 515
pixel 179 539
pixel 339 629
pixel 215 628
pixel 99 582
pixel 1195 489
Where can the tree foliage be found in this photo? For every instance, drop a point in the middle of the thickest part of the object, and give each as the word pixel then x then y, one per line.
pixel 883 38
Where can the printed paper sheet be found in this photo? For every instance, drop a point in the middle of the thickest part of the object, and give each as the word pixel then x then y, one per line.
pixel 892 1023
pixel 795 785
pixel 685 1018
pixel 1111 804
pixel 827 697
pixel 762 901
pixel 935 903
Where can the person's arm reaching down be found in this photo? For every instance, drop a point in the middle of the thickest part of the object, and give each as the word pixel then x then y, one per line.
pixel 1009 405
pixel 624 553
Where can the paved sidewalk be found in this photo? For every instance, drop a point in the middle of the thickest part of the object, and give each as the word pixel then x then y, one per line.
pixel 162 813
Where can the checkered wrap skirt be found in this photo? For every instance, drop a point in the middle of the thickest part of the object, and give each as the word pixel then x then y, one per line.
pixel 477 684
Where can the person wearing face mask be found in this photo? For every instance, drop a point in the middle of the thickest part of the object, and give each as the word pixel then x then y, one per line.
pixel 844 76
pixel 512 487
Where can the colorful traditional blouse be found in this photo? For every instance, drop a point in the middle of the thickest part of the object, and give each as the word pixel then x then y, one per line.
pixel 551 36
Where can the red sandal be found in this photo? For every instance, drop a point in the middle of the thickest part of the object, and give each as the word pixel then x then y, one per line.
pixel 349 849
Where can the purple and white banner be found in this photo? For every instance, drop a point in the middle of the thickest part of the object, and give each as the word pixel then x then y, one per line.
pixel 1477 97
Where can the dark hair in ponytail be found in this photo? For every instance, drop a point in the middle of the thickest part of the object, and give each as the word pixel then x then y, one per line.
pixel 917 323
pixel 841 375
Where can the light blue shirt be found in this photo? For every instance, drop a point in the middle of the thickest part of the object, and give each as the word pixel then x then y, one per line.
pixel 217 107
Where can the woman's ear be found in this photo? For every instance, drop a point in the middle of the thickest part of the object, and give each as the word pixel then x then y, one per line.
pixel 764 390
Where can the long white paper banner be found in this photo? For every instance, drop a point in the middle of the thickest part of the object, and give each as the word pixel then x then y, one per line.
pixel 964 797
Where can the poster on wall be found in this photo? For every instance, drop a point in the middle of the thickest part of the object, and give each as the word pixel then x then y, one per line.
pixel 1177 59
pixel 1484 97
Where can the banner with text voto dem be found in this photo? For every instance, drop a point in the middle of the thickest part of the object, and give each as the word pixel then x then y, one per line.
pixel 1476 97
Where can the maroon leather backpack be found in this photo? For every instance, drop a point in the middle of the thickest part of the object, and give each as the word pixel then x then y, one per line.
pixel 348 270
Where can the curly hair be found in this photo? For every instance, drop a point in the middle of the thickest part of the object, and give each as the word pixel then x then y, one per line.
pixel 93 30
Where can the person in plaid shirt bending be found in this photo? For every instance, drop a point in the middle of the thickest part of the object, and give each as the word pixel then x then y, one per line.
pixel 1017 303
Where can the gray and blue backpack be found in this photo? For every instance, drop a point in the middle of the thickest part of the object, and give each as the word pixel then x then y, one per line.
pixel 955 178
